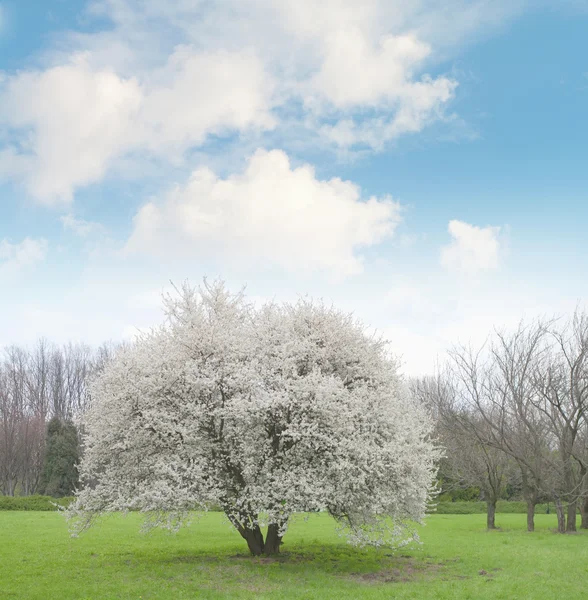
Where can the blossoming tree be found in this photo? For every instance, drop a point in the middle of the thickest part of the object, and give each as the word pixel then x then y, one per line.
pixel 263 411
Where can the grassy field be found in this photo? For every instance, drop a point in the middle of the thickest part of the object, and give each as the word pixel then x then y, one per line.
pixel 458 559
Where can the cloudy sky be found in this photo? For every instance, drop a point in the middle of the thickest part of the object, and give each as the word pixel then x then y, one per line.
pixel 423 164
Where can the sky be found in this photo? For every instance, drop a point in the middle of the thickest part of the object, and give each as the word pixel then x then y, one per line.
pixel 420 164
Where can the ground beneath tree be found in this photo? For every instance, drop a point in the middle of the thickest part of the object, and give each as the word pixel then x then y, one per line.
pixel 404 569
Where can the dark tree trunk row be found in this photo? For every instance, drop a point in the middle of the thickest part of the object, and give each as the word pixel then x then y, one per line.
pixel 530 515
pixel 530 494
pixel 584 513
pixel 571 521
pixel 491 514
pixel 566 516
pixel 561 516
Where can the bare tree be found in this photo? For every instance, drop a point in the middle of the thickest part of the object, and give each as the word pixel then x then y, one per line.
pixel 560 380
pixel 464 435
pixel 35 385
pixel 530 389
pixel 514 423
pixel 38 379
pixel 582 452
pixel 9 458
pixel 12 412
pixel 32 450
pixel 79 364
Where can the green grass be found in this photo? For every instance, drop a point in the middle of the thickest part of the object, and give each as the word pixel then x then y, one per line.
pixel 458 559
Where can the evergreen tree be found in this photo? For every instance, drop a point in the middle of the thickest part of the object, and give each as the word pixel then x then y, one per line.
pixel 60 474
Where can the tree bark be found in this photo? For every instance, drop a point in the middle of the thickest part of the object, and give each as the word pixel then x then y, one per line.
pixel 584 513
pixel 273 540
pixel 561 517
pixel 249 530
pixel 530 515
pixel 254 539
pixel 530 495
pixel 491 514
pixel 571 524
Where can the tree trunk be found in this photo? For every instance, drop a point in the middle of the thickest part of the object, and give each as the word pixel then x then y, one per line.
pixel 571 524
pixel 491 514
pixel 561 517
pixel 254 539
pixel 530 495
pixel 273 540
pixel 530 515
pixel 584 512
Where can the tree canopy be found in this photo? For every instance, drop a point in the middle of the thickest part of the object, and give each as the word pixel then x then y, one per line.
pixel 265 411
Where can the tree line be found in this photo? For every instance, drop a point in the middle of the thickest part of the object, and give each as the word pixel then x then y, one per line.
pixel 516 409
pixel 510 414
pixel 42 392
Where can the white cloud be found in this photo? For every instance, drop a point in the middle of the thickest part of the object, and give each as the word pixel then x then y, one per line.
pixel 272 212
pixel 361 73
pixel 357 72
pixel 472 250
pixel 91 117
pixel 418 105
pixel 76 122
pixel 166 77
pixel 15 257
pixel 199 93
pixel 80 227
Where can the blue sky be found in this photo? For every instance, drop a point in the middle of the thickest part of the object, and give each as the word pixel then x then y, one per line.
pixel 423 166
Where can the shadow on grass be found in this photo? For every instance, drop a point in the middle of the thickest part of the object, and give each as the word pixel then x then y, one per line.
pixel 364 566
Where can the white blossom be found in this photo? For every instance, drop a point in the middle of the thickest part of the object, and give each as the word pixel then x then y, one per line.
pixel 266 412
